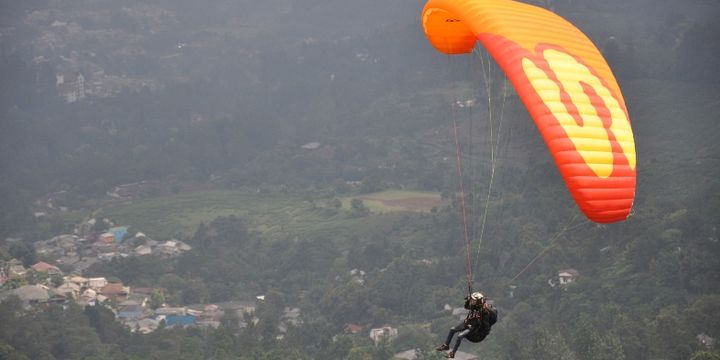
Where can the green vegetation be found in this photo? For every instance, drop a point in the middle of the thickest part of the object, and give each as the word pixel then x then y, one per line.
pixel 276 215
pixel 396 200
pixel 223 140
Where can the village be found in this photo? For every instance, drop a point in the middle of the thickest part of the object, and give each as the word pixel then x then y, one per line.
pixel 142 309
pixel 78 74
pixel 65 276
pixel 139 309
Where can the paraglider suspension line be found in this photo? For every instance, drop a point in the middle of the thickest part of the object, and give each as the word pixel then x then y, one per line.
pixel 468 264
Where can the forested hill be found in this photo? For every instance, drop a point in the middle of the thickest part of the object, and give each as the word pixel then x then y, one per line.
pixel 260 120
pixel 181 91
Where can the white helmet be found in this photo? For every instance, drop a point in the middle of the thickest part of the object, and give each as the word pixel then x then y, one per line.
pixel 477 296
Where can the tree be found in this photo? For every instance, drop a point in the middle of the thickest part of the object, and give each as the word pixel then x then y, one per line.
pixel 673 337
pixel 360 353
pixel 551 346
pixel 705 355
pixel 23 251
pixel 16 282
pixel 700 315
pixel 358 206
pixel 7 352
pixel 336 203
pixel 606 347
pixel 157 299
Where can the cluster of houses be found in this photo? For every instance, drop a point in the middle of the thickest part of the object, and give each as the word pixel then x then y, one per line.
pixel 77 253
pixel 50 286
pixel 131 306
pixel 73 86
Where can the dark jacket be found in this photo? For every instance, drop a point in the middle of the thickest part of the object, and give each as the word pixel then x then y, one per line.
pixel 479 321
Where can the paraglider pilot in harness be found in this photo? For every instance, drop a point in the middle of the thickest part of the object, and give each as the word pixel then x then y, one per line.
pixel 476 325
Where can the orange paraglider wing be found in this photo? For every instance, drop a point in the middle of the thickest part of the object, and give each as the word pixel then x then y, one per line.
pixel 566 85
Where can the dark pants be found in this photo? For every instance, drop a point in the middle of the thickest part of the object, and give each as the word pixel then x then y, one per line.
pixel 461 330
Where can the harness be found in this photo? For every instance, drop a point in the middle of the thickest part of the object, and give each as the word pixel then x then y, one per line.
pixel 478 324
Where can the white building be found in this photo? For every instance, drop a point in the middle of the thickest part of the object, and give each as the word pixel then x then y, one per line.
pixel 384 333
pixel 567 276
pixel 97 283
pixel 71 86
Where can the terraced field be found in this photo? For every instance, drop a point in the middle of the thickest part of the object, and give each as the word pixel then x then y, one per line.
pixel 276 216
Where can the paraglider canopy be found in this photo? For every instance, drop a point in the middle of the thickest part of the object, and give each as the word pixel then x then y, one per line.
pixel 566 86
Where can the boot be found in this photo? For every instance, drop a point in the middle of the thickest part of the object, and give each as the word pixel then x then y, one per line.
pixel 450 355
pixel 442 347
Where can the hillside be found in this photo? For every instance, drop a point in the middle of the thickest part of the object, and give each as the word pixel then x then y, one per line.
pixel 303 151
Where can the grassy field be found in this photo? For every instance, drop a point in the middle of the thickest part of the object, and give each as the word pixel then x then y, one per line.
pixel 276 216
pixel 398 200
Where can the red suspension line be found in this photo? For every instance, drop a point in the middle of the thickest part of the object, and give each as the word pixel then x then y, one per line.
pixel 468 265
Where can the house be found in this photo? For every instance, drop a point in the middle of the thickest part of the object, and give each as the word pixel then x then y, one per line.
pixel 88 298
pixel 567 276
pixel 168 248
pixel 77 280
pixel 107 238
pixel 168 311
pixel 706 341
pixel 311 146
pixel 44 267
pixel 352 328
pixel 180 320
pixel 97 283
pixel 69 289
pixel 357 276
pixel 71 86
pixel 133 311
pixel 241 307
pixel 291 316
pixel 118 233
pixel 146 326
pixel 143 326
pixel 385 333
pixel 115 291
pixel 32 294
pixel 55 297
pixel 183 246
pixel 143 250
pixel 146 291
pixel 15 269
pixel 66 242
pixel 412 355
pixel 172 247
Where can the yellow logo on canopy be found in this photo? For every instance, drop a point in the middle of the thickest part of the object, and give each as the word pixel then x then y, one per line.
pixel 591 138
